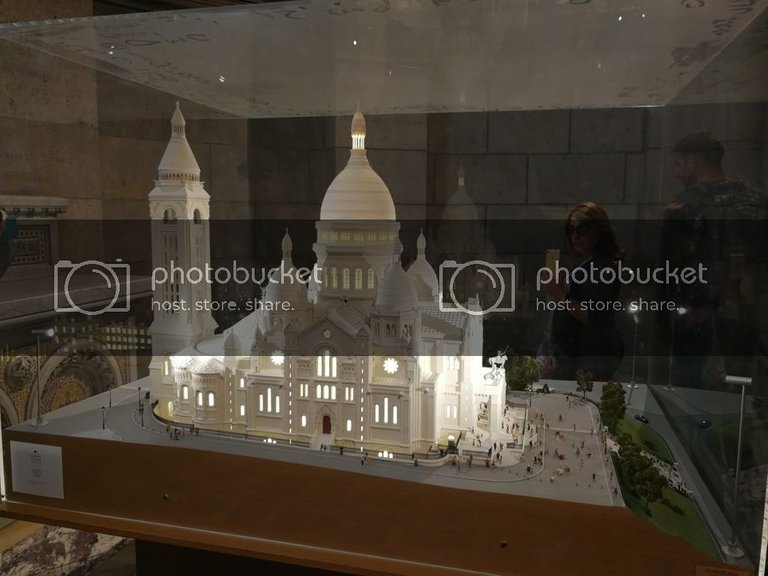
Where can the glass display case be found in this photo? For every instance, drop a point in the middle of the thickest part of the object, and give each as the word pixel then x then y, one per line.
pixel 405 286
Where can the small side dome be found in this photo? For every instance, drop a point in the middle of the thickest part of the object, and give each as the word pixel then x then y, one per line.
pixel 286 288
pixel 423 275
pixel 289 291
pixel 396 292
pixel 425 280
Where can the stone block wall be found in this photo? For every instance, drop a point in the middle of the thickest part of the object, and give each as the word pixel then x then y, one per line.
pixel 522 167
pixel 527 164
pixel 133 131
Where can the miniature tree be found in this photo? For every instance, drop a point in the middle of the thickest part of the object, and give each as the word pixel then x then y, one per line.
pixel 639 473
pixel 584 381
pixel 649 485
pixel 612 405
pixel 521 372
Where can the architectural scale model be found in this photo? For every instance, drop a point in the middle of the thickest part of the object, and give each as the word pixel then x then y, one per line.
pixel 362 355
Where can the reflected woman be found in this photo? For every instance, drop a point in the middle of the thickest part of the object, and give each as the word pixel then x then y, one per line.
pixel 584 335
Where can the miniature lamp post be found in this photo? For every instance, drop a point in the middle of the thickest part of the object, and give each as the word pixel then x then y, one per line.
pixel 678 312
pixel 634 311
pixel 38 333
pixel 732 549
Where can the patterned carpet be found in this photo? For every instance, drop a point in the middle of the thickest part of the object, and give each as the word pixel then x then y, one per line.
pixel 52 550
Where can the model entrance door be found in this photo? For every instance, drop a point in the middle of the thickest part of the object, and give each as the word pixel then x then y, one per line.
pixel 326 424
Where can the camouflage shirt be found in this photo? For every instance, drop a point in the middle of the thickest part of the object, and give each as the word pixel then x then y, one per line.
pixel 722 225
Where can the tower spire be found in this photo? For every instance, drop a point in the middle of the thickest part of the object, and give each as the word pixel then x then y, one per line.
pixel 178 162
pixel 287 246
pixel 421 244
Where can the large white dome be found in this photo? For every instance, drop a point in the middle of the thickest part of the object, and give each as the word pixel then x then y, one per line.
pixel 396 292
pixel 357 192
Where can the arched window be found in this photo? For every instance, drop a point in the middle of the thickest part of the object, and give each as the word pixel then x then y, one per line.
pixel 370 279
pixel 327 364
pixel 394 414
pixel 277 404
pixel 242 409
pixel 333 392
pixel 211 399
pixel 196 216
pixel 326 392
pixel 169 216
pixel 199 398
pixel 303 421
pixel 358 279
pixel 334 277
pixel 349 425
pixel 345 278
pixel 185 392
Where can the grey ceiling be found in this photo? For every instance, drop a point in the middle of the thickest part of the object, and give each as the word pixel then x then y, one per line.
pixel 316 57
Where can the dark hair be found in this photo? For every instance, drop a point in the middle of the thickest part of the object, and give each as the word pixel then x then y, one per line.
pixel 703 145
pixel 597 219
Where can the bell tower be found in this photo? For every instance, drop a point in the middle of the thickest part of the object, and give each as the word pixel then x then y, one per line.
pixel 181 254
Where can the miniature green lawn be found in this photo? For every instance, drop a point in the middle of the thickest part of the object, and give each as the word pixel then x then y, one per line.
pixel 646 438
pixel 687 525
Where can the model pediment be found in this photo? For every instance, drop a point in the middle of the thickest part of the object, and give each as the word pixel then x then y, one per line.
pixel 329 334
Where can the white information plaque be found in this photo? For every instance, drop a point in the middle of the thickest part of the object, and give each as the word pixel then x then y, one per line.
pixel 37 469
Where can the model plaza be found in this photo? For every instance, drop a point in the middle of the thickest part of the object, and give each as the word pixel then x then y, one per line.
pixel 421 399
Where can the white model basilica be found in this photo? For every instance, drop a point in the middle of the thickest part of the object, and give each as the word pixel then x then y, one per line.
pixel 363 358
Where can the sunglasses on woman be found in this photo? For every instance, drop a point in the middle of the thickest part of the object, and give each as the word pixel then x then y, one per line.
pixel 579 229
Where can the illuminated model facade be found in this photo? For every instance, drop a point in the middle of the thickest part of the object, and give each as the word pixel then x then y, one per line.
pixel 363 357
